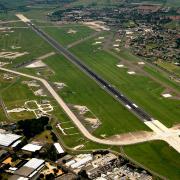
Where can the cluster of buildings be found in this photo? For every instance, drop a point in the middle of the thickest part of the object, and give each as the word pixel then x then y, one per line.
pixel 23 161
pixel 149 38
pixel 105 166
pixel 157 43
pixel 114 16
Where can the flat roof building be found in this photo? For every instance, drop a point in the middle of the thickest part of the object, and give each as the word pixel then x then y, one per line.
pixel 29 169
pixel 7 139
pixel 58 148
pixel 31 147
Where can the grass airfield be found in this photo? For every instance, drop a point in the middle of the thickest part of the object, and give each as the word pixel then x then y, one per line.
pixel 68 34
pixel 144 91
pixel 156 156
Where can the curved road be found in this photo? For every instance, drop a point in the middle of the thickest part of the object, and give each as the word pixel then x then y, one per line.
pixel 161 132
pixel 99 80
pixel 73 117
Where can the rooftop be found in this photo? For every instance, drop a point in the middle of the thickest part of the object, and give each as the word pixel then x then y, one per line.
pixel 34 163
pixel 6 139
pixel 31 147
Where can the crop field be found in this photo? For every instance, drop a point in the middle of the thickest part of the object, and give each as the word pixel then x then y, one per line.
pixel 68 34
pixel 157 156
pixel 140 88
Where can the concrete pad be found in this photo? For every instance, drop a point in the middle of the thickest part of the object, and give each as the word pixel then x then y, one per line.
pixel 152 126
pixel 22 18
pixel 160 125
pixel 167 95
pixel 141 63
pixel 116 45
pixel 97 42
pixel 36 64
pixel 131 72
pixel 120 65
pixel 101 37
pixel 71 31
pixel 117 49
pixel 118 40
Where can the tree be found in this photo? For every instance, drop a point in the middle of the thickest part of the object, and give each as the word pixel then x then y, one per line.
pixel 32 127
pixel 49 176
pixel 178 42
pixel 83 174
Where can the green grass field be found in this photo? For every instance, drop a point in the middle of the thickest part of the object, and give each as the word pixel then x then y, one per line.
pixel 169 66
pixel 16 92
pixel 142 90
pixel 2 115
pixel 163 77
pixel 28 41
pixel 157 156
pixel 61 34
pixel 81 90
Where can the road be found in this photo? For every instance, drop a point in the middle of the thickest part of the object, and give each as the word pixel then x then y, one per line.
pixel 99 80
pixel 161 132
pixel 73 117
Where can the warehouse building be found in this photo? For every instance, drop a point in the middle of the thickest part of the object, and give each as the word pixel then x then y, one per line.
pixel 7 138
pixel 29 170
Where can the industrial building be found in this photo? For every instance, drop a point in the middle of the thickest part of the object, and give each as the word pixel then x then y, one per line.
pixel 7 139
pixel 29 170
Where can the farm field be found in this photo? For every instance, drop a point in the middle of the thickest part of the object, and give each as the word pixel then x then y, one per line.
pixel 141 89
pixel 157 156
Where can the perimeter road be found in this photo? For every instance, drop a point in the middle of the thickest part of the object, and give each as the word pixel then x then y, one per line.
pixel 165 134
pixel 72 116
pixel 139 112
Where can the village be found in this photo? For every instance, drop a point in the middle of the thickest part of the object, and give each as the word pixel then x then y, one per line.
pixel 23 156
pixel 149 31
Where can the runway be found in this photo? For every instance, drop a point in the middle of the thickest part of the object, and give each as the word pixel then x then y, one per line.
pixel 160 131
pixel 165 134
pixel 139 112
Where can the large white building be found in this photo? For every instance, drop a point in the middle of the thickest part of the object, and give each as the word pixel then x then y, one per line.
pixel 7 139
pixel 28 170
